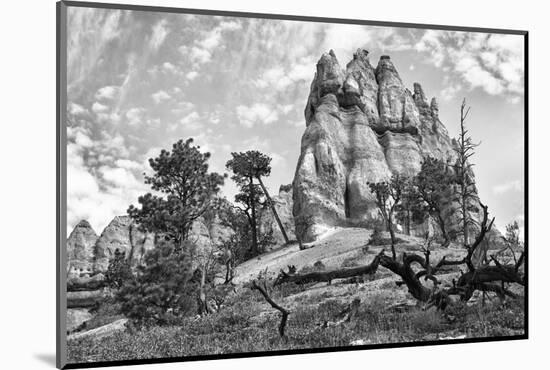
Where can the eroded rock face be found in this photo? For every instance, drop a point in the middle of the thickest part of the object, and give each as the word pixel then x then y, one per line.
pixel 362 125
pixel 90 255
pixel 80 249
pixel 122 234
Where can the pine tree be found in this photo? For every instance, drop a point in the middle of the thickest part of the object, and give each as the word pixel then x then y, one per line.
pixel 247 167
pixel 118 271
pixel 163 286
pixel 388 197
pixel 187 189
pixel 433 185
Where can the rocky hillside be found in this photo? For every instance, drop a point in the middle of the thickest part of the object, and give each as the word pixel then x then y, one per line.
pixel 88 254
pixel 363 125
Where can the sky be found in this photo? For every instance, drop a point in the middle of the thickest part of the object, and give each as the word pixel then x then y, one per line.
pixel 139 81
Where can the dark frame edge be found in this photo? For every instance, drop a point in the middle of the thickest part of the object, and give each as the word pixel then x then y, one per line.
pixel 292 352
pixel 61 100
pixel 213 12
pixel 61 173
pixel 526 176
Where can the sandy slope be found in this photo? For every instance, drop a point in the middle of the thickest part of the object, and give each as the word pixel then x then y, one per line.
pixel 339 247
pixel 331 250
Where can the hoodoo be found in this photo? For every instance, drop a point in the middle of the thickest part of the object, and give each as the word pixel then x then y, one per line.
pixel 362 125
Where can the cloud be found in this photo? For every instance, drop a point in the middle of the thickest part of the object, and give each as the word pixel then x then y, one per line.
pixel 190 122
pixel 89 34
pixel 511 186
pixel 110 145
pixel 346 39
pixel 98 195
pixel 233 25
pixel 160 31
pixel 191 75
pixel 134 116
pixel 169 67
pixel 449 92
pixel 197 55
pixel 120 177
pixel 160 96
pixel 253 143
pixel 203 48
pixel 280 79
pixel 257 113
pixel 76 109
pixel 493 63
pixel 129 164
pixel 80 137
pixel 79 180
pixel 99 108
pixel 107 93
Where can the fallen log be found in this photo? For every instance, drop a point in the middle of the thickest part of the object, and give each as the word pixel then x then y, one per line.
pixel 328 276
pixel 407 274
pixel 84 299
pixel 95 282
pixel 488 274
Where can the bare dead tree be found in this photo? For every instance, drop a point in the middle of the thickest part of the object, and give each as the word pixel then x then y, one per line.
pixel 284 312
pixel 486 278
pixel 467 193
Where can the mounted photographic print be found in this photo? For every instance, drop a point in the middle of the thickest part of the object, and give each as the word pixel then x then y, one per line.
pixel 235 184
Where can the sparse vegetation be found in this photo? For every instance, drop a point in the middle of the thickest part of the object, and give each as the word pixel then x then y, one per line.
pixel 236 328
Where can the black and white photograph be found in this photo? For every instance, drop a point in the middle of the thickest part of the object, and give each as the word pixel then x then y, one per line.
pixel 240 185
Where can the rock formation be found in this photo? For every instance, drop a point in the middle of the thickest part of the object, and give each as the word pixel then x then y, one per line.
pixel 122 234
pixel 362 125
pixel 80 249
pixel 89 255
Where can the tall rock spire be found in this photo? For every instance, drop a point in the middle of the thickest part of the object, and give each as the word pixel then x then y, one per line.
pixel 362 125
pixel 395 103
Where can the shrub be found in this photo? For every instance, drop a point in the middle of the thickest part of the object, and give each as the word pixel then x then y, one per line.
pixel 162 288
pixel 119 270
pixel 319 266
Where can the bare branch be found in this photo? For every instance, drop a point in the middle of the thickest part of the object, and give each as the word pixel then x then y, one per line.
pixel 284 311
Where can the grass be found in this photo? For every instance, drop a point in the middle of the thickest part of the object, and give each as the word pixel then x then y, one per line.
pixel 248 324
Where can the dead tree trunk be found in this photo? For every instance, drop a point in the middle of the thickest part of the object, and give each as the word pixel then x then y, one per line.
pixel 203 305
pixel 253 220
pixel 284 311
pixel 408 275
pixel 272 205
pixel 327 276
